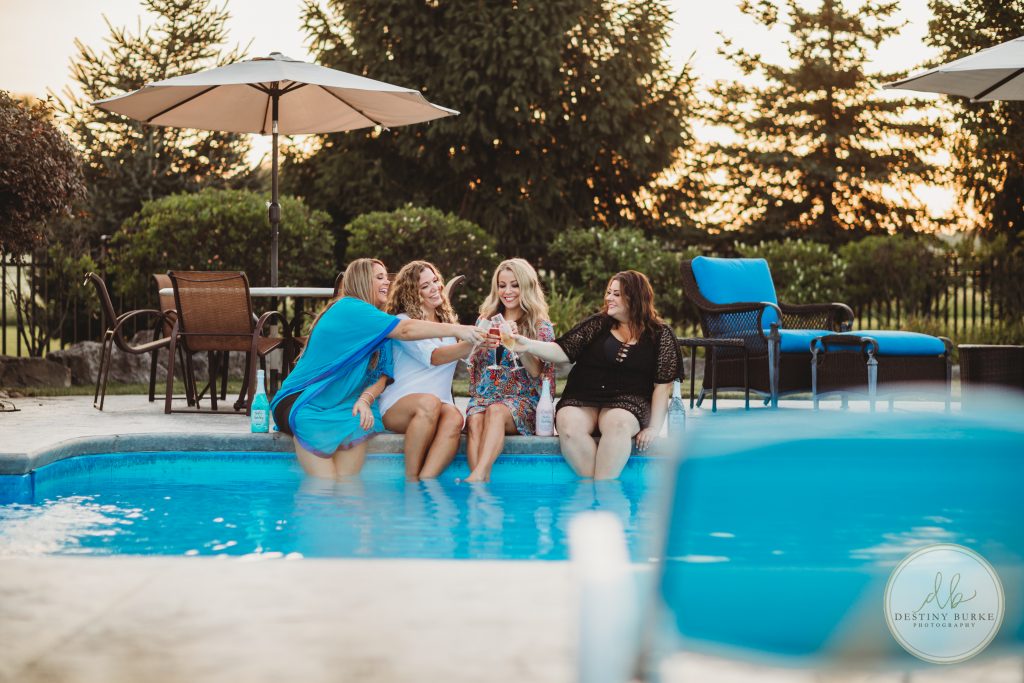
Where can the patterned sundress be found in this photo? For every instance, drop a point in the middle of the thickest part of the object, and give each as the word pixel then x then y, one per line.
pixel 516 389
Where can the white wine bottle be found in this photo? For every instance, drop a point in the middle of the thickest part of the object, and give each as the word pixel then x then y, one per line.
pixel 545 412
pixel 676 412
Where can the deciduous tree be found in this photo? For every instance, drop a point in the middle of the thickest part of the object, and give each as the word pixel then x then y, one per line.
pixel 570 115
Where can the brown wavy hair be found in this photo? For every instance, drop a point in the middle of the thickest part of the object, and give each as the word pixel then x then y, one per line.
pixel 639 295
pixel 404 296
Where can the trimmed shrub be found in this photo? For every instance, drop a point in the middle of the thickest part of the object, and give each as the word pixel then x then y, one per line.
pixel 586 258
pixel 454 245
pixel 910 270
pixel 221 230
pixel 803 272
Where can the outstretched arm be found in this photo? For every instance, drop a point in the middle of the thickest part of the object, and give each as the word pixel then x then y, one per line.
pixel 414 330
pixel 549 351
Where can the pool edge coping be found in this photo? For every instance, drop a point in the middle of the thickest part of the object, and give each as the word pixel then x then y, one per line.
pixel 21 463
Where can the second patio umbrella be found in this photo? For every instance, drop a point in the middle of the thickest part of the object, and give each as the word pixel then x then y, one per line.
pixel 996 73
pixel 274 95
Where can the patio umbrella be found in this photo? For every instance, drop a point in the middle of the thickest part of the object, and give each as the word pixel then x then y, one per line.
pixel 274 95
pixel 996 73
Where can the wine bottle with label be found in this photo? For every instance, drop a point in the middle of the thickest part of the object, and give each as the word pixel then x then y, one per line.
pixel 676 411
pixel 259 415
pixel 545 412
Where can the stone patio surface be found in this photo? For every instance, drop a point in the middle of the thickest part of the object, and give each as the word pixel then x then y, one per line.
pixel 167 619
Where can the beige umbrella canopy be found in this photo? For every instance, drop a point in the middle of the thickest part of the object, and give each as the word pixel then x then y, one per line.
pixel 996 73
pixel 274 95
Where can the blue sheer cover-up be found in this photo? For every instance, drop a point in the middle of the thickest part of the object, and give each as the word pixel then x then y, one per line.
pixel 333 370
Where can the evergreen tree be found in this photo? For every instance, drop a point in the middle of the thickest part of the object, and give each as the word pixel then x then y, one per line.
pixel 817 145
pixel 988 145
pixel 570 114
pixel 128 162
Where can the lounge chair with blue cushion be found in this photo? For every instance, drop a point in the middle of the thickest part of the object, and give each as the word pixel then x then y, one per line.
pixel 777 537
pixel 736 299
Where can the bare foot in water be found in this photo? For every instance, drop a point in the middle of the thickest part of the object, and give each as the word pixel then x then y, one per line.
pixel 474 477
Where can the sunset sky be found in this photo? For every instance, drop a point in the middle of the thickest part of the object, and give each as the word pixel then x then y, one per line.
pixel 38 37
pixel 38 40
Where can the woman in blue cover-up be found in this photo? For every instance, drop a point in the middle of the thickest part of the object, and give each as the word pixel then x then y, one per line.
pixel 328 401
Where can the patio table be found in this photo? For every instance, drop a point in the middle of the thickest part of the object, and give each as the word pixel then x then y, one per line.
pixel 711 346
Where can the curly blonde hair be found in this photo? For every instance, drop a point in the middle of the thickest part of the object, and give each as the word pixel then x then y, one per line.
pixel 531 296
pixel 404 296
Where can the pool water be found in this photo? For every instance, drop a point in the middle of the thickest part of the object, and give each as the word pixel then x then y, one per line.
pixel 237 504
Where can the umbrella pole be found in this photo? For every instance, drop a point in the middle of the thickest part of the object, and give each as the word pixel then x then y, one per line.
pixel 275 208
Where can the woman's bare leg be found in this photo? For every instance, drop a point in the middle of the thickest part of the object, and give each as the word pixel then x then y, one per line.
pixel 474 431
pixel 445 444
pixel 618 427
pixel 497 423
pixel 348 462
pixel 314 465
pixel 575 436
pixel 416 416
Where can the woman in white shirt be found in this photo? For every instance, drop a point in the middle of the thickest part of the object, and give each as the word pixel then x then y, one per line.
pixel 419 403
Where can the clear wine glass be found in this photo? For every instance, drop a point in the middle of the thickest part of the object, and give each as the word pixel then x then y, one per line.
pixel 508 340
pixel 494 330
pixel 484 325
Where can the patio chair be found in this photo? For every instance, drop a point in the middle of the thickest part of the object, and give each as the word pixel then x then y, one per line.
pixel 113 336
pixel 163 282
pixel 776 537
pixel 215 315
pixel 736 299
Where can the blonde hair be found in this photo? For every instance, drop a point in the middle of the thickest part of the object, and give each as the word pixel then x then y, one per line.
pixel 531 296
pixel 404 296
pixel 358 282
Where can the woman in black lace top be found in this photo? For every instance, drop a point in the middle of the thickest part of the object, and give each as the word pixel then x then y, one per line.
pixel 626 359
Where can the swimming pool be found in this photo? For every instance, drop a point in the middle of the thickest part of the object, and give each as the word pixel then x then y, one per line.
pixel 260 504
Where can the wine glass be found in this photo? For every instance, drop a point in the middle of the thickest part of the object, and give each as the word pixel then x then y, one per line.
pixel 494 330
pixel 508 340
pixel 484 325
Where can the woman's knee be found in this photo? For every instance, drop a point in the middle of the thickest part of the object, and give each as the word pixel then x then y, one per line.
pixel 450 420
pixel 497 412
pixel 428 407
pixel 619 424
pixel 572 425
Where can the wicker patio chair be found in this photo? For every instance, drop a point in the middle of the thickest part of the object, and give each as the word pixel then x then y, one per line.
pixel 164 329
pixel 736 299
pixel 215 315
pixel 114 336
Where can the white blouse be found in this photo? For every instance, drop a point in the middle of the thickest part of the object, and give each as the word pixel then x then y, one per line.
pixel 415 375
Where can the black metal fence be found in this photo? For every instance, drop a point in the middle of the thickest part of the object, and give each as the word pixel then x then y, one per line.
pixel 36 303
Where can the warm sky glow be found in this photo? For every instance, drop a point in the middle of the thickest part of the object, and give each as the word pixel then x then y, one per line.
pixel 37 38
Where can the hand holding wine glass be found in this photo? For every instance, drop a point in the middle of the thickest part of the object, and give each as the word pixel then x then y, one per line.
pixel 509 341
pixel 494 337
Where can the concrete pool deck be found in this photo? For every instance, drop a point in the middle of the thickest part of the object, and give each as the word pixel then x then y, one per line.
pixel 157 619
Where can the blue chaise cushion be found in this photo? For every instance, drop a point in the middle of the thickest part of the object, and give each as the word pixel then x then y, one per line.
pixel 736 280
pixel 890 342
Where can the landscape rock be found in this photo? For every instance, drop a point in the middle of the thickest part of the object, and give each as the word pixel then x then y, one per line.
pixel 83 361
pixel 33 372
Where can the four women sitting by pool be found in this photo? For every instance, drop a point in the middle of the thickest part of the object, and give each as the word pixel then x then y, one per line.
pixel 365 370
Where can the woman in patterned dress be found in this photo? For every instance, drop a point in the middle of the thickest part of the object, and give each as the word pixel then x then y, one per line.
pixel 505 401
pixel 626 359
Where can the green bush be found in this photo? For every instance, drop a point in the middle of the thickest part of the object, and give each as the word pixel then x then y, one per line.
pixel 454 245
pixel 221 230
pixel 584 259
pixel 910 270
pixel 1003 262
pixel 803 272
pixel 566 306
